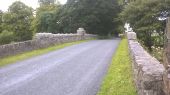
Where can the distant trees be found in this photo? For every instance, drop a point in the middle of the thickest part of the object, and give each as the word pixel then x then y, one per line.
pixel 96 16
pixel 20 22
pixel 45 18
pixel 46 2
pixel 1 13
pixel 16 22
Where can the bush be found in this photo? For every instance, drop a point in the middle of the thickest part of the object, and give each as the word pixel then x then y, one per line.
pixel 6 37
pixel 157 52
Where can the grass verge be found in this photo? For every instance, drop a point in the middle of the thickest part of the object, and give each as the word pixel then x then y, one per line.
pixel 19 57
pixel 118 80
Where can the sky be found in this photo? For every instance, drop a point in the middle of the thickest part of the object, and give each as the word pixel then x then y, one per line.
pixel 4 4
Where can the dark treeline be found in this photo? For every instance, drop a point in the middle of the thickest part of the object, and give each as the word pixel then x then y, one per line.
pixel 21 22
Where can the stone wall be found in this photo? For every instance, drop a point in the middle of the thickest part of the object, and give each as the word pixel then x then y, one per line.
pixel 147 71
pixel 41 40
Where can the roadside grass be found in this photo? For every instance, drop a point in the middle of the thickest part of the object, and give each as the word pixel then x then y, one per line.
pixel 22 56
pixel 118 80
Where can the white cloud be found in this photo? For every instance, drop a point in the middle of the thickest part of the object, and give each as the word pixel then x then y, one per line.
pixel 4 4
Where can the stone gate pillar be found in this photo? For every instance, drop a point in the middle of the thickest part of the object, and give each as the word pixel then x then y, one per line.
pixel 166 58
pixel 81 32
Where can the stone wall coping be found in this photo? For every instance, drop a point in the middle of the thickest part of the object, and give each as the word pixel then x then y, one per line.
pixel 150 64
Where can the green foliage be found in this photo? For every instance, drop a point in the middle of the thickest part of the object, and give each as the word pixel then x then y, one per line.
pixel 46 8
pixel 1 13
pixel 118 80
pixel 18 20
pixel 6 37
pixel 45 18
pixel 144 17
pixel 96 16
pixel 46 2
pixel 21 21
pixel 157 52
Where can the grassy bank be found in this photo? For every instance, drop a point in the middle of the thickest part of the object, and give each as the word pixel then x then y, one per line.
pixel 118 80
pixel 19 57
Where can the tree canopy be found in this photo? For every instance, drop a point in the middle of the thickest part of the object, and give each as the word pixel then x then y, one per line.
pixel 45 20
pixel 96 16
pixel 1 13
pixel 147 17
pixel 18 20
pixel 46 2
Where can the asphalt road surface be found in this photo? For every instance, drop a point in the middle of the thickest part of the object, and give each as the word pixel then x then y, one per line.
pixel 74 70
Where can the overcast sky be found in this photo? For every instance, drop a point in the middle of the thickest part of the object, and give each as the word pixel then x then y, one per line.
pixel 4 4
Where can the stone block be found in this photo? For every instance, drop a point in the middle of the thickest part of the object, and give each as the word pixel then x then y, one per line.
pixel 131 35
pixel 81 31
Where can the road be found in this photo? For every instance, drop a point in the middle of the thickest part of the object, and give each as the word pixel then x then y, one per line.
pixel 74 70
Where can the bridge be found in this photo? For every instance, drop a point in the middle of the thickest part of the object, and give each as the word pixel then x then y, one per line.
pixel 74 70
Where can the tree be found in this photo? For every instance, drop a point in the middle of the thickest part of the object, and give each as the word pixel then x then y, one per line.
pixel 6 37
pixel 8 22
pixel 18 20
pixel 146 17
pixel 96 16
pixel 46 2
pixel 1 13
pixel 45 18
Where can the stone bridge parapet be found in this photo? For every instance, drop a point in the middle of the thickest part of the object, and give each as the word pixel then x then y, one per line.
pixel 41 40
pixel 147 71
